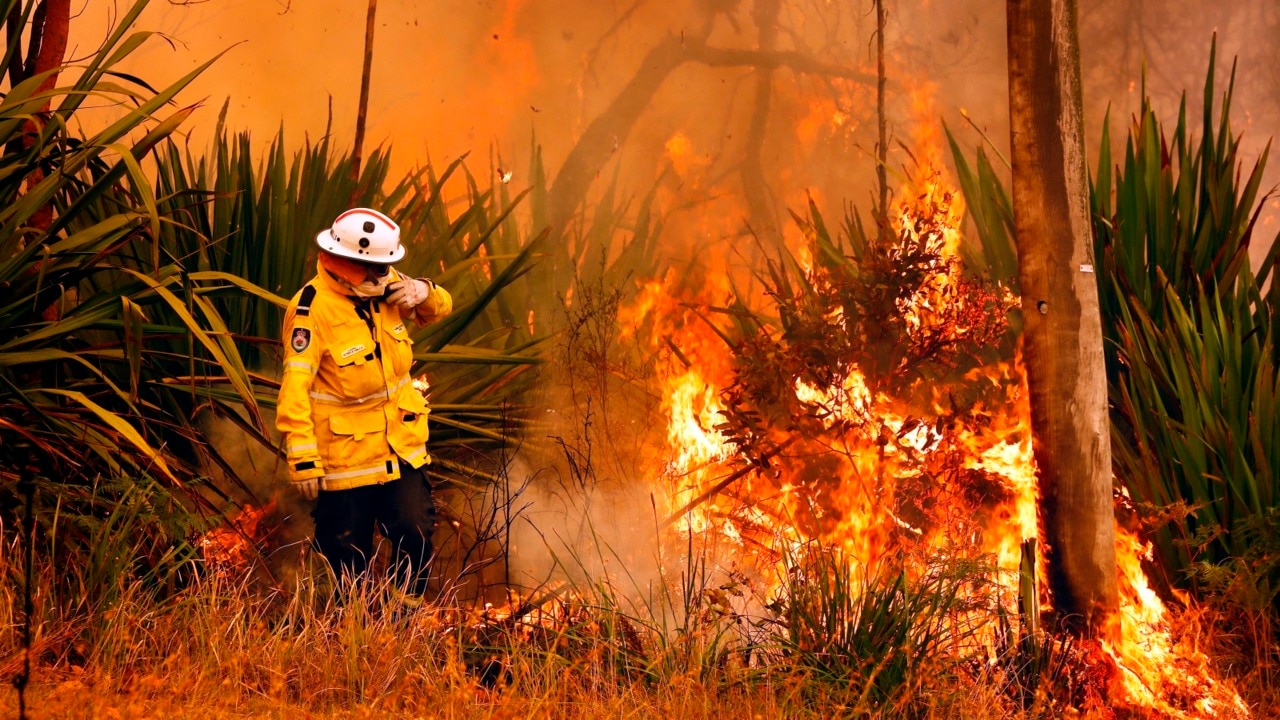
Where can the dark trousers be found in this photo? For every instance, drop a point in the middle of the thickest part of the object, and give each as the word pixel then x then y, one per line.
pixel 401 510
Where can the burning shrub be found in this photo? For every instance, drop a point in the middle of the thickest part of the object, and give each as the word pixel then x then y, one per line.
pixel 863 375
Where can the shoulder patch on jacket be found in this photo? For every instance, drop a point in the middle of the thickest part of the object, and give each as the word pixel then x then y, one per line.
pixel 305 299
pixel 300 339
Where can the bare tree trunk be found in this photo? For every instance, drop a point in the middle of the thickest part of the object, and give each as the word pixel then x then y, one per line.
pixel 1063 329
pixel 52 39
pixel 882 149
pixel 362 110
pixel 764 219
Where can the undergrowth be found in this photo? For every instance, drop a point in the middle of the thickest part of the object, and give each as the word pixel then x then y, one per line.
pixel 855 644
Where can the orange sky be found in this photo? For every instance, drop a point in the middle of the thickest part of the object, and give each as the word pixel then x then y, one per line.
pixel 285 61
pixel 473 77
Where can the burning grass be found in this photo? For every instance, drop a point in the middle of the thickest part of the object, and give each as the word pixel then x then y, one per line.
pixel 876 645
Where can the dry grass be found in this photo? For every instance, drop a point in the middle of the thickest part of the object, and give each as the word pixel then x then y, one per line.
pixel 223 649
pixel 236 649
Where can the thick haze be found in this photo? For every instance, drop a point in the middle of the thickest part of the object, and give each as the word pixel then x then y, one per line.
pixel 488 76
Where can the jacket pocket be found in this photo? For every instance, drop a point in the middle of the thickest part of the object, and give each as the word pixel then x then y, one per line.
pixel 398 348
pixel 359 439
pixel 358 375
pixel 411 430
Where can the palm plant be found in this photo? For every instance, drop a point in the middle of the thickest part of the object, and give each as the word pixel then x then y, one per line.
pixel 96 397
pixel 876 631
pixel 1192 332
pixel 1191 339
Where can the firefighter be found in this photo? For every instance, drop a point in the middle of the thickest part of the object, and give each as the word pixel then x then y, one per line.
pixel 354 426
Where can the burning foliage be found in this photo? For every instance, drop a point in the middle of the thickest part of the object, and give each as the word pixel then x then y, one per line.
pixel 233 549
pixel 862 378
pixel 877 408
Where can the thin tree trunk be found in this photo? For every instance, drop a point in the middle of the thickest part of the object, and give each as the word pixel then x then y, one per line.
pixel 362 110
pixel 764 220
pixel 50 25
pixel 882 149
pixel 1063 329
pixel 52 40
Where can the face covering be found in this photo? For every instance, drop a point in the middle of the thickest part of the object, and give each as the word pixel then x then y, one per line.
pixel 372 288
pixel 355 276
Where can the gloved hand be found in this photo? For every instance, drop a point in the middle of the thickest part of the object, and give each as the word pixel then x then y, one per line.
pixel 409 293
pixel 309 488
pixel 307 479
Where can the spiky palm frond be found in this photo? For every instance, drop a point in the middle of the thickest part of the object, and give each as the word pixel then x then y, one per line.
pixel 243 213
pixel 1192 355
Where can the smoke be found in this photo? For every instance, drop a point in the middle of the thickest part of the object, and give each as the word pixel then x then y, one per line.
pixel 604 537
pixel 589 494
pixel 569 529
pixel 257 480
pixel 731 113
pixel 767 103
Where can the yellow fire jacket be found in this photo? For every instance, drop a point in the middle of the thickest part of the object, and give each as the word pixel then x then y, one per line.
pixel 347 407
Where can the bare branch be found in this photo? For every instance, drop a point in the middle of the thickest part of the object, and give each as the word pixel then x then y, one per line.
pixel 804 64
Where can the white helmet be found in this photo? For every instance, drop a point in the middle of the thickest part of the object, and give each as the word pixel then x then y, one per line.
pixel 365 235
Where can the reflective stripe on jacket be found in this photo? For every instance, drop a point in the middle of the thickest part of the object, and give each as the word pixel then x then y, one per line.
pixel 347 407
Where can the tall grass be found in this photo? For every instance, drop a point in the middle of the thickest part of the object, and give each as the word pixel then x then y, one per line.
pixel 881 632
pixel 223 648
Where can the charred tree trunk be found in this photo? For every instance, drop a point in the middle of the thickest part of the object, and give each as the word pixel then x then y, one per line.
pixel 362 110
pixel 1063 329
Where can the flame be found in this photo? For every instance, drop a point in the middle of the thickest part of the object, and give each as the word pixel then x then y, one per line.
pixel 1155 668
pixel 856 513
pixel 229 550
pixel 822 114
pixel 686 162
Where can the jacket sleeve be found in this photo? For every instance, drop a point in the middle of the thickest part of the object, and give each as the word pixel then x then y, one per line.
pixel 438 304
pixel 302 352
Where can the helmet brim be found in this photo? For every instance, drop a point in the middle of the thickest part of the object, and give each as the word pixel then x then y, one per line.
pixel 328 243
